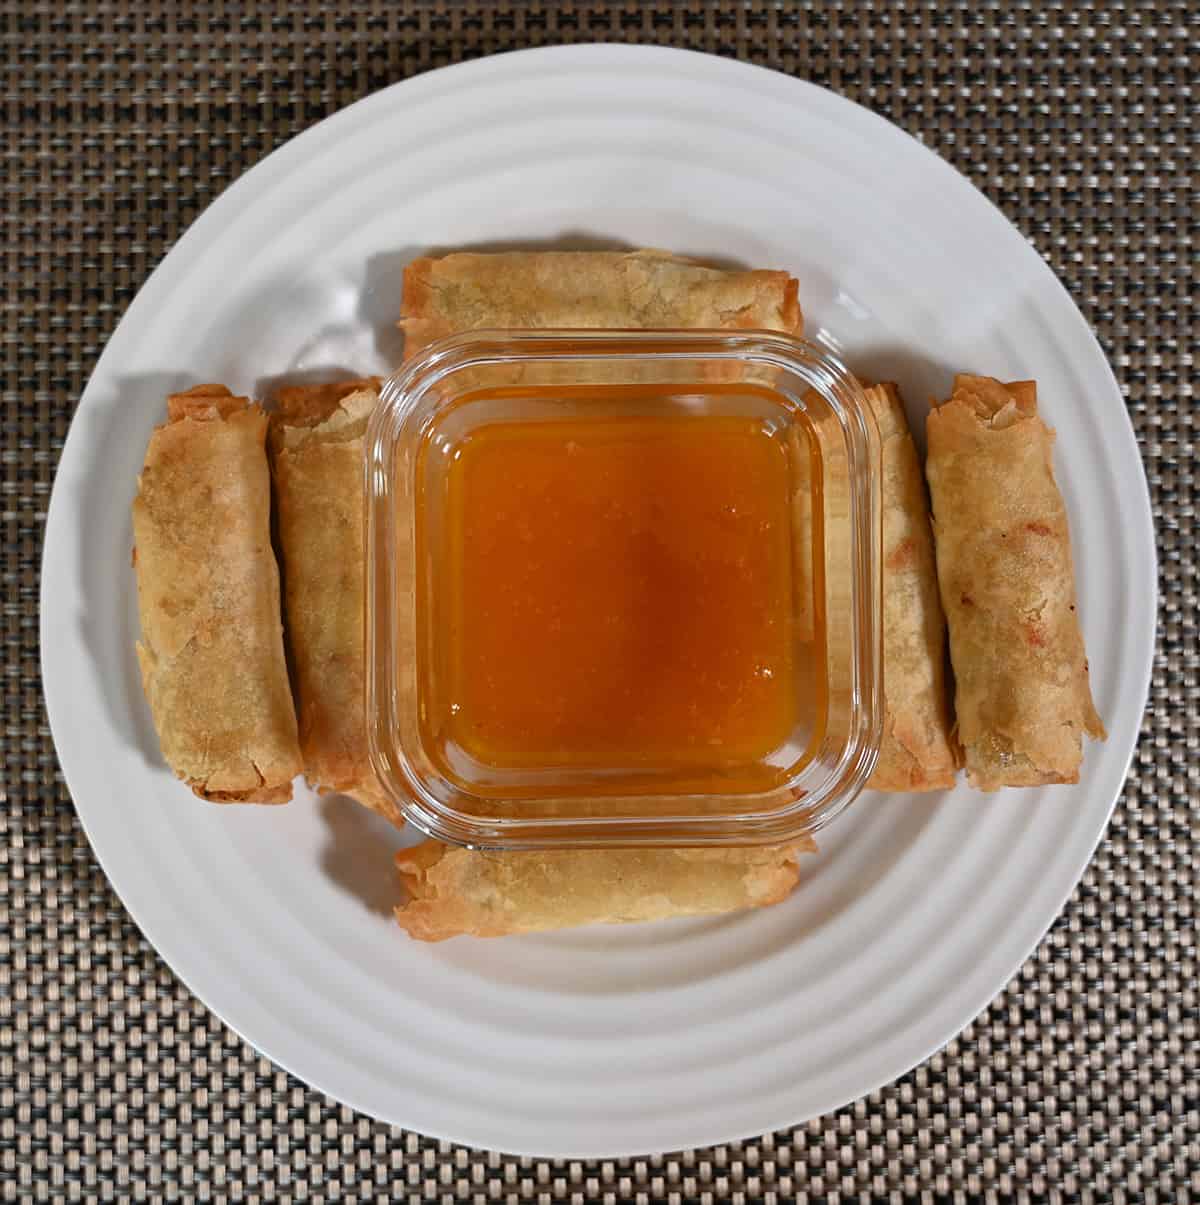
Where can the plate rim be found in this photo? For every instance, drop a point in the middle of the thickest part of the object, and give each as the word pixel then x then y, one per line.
pixel 225 208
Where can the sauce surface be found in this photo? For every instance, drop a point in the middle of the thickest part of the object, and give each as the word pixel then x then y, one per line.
pixel 619 593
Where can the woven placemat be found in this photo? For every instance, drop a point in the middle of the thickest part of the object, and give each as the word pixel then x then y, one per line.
pixel 122 121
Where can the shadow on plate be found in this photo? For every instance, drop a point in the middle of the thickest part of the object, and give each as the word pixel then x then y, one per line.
pixel 266 387
pixel 920 379
pixel 379 301
pixel 880 829
pixel 358 851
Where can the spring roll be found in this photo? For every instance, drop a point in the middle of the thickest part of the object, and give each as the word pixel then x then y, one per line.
pixel 457 892
pixel 1007 583
pixel 917 752
pixel 596 289
pixel 317 457
pixel 211 652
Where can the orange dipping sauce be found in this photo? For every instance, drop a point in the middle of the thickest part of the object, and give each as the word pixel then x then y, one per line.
pixel 618 594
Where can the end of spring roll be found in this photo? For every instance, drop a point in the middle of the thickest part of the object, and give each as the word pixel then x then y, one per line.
pixel 211 652
pixel 460 892
pixel 1005 572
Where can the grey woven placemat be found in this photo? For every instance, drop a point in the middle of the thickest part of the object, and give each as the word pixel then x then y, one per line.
pixel 122 121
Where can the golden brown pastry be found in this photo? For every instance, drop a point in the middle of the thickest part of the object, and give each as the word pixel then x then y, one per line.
pixel 453 892
pixel 916 752
pixel 211 652
pixel 317 446
pixel 594 289
pixel 1007 583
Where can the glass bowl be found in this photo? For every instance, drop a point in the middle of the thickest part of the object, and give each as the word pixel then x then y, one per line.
pixel 623 588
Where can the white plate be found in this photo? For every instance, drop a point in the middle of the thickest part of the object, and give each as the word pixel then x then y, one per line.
pixel 601 1041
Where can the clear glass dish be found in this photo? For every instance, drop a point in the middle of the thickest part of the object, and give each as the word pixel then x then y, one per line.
pixel 623 588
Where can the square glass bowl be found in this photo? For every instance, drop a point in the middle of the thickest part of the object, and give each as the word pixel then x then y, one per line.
pixel 623 588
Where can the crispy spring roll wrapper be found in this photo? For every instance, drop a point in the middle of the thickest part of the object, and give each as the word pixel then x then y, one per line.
pixel 456 892
pixel 917 752
pixel 1007 583
pixel 594 289
pixel 317 447
pixel 211 652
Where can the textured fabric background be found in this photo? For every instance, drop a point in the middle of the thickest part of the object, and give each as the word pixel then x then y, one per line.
pixel 123 120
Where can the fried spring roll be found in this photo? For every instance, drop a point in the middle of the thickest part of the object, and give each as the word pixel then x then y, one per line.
pixel 1022 697
pixel 917 752
pixel 455 892
pixel 596 289
pixel 317 447
pixel 211 651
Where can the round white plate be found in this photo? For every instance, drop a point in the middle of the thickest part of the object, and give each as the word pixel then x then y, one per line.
pixel 611 1040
